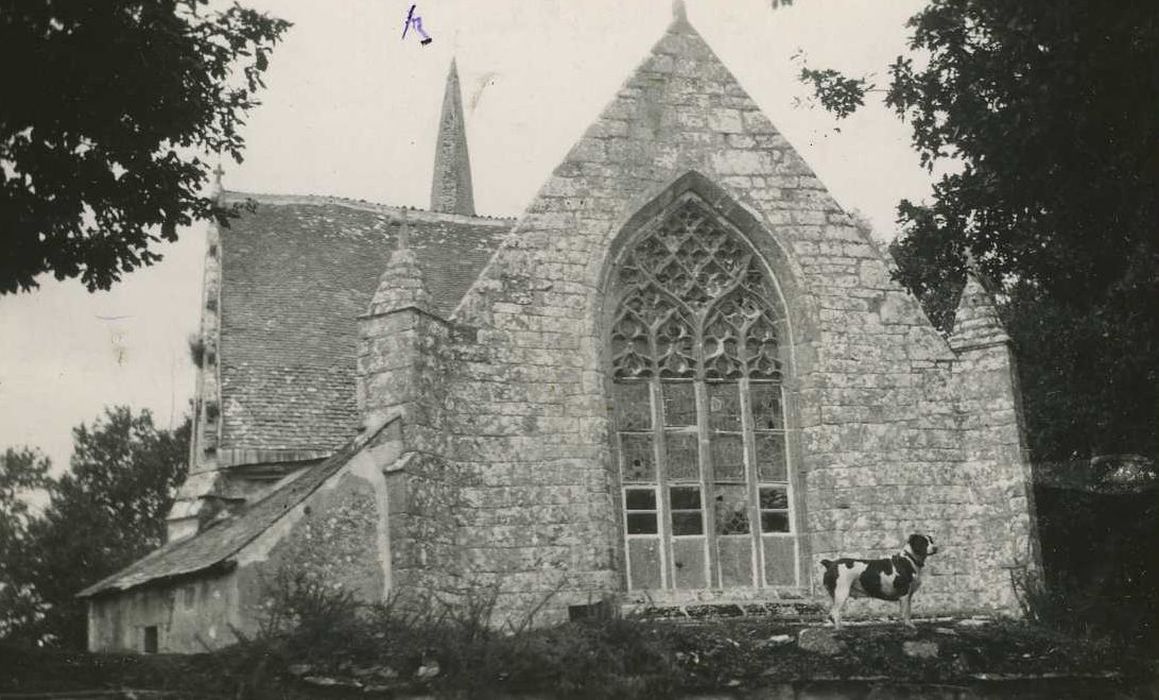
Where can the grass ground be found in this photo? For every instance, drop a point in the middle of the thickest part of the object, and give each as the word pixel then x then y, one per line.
pixel 599 658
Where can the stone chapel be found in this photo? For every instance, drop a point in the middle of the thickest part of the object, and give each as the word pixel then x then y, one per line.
pixel 681 377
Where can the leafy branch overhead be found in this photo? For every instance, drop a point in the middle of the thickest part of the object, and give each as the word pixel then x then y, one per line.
pixel 1043 112
pixel 109 111
pixel 837 93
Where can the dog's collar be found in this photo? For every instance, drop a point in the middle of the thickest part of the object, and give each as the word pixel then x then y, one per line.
pixel 916 562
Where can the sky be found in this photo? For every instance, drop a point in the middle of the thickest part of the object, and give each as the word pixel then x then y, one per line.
pixel 351 108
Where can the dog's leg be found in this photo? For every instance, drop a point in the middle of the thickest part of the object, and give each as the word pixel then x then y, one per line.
pixel 840 595
pixel 905 610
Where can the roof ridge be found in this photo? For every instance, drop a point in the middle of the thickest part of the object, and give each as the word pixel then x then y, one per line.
pixel 318 200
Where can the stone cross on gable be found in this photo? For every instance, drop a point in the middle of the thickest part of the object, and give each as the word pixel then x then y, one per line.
pixel 403 233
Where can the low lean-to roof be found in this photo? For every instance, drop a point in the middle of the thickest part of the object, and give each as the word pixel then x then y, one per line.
pixel 215 546
pixel 296 274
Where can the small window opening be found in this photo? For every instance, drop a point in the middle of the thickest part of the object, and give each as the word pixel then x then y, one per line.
pixel 600 610
pixel 151 639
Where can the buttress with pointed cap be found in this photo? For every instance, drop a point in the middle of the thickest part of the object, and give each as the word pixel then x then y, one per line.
pixel 451 190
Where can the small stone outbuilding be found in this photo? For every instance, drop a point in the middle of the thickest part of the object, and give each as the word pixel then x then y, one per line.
pixel 683 374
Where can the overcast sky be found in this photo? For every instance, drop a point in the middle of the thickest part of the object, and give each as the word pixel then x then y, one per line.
pixel 351 109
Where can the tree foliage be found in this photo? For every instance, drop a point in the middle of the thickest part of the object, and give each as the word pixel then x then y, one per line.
pixel 106 107
pixel 1045 111
pixel 107 511
pixel 23 475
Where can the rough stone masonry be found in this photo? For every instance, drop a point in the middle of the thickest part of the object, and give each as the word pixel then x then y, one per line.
pixel 683 375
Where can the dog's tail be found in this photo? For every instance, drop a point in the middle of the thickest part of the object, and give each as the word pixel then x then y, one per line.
pixel 826 563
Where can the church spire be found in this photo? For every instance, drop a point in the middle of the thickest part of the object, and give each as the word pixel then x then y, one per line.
pixel 451 189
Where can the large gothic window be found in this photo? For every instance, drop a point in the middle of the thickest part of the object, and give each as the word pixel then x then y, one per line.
pixel 700 430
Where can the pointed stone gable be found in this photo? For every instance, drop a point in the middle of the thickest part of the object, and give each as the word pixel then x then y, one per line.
pixel 976 321
pixel 451 191
pixel 682 111
pixel 870 380
pixel 402 285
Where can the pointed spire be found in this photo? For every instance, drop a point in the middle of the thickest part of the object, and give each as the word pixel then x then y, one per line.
pixel 402 284
pixel 679 12
pixel 976 321
pixel 451 190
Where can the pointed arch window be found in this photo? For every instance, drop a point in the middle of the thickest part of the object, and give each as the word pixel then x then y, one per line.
pixel 696 342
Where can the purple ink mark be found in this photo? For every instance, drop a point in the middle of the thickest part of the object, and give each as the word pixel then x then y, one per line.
pixel 415 21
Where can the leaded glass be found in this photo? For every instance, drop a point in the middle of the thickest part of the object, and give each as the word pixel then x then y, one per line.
pixel 679 403
pixel 633 406
pixel 697 326
pixel 683 456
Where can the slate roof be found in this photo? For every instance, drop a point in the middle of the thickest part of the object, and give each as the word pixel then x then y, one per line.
pixel 296 274
pixel 215 546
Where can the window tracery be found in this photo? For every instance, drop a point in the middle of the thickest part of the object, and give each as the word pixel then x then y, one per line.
pixel 696 363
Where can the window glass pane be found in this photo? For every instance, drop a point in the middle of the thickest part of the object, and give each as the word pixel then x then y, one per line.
pixel 644 563
pixel 723 406
pixel 688 560
pixel 774 522
pixel 684 523
pixel 736 561
pixel 731 510
pixel 774 498
pixel 685 497
pixel 633 406
pixel 683 456
pixel 766 400
pixel 641 523
pixel 771 457
pixel 780 561
pixel 728 457
pixel 637 461
pixel 679 403
pixel 640 499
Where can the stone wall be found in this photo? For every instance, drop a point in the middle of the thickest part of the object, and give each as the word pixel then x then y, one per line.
pixel 339 535
pixel 190 617
pixel 879 448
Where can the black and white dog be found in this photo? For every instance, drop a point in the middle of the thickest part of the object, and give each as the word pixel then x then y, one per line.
pixel 895 578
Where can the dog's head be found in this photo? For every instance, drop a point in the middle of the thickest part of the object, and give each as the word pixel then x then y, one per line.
pixel 920 547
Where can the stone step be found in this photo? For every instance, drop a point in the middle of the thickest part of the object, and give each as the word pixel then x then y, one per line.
pixel 804 611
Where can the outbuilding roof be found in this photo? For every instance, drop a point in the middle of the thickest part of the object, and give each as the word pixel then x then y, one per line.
pixel 296 273
pixel 215 546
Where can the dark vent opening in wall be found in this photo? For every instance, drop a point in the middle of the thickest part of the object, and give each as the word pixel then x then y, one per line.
pixel 151 639
pixel 601 610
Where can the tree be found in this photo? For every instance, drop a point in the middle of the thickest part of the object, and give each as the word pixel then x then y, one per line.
pixel 1045 111
pixel 23 472
pixel 107 511
pixel 109 109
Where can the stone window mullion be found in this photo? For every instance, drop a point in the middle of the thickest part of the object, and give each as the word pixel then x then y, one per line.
pixel 706 481
pixel 663 507
pixel 751 479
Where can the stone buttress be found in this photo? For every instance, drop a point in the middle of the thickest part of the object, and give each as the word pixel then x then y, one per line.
pixel 197 500
pixel 401 370
pixel 993 439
